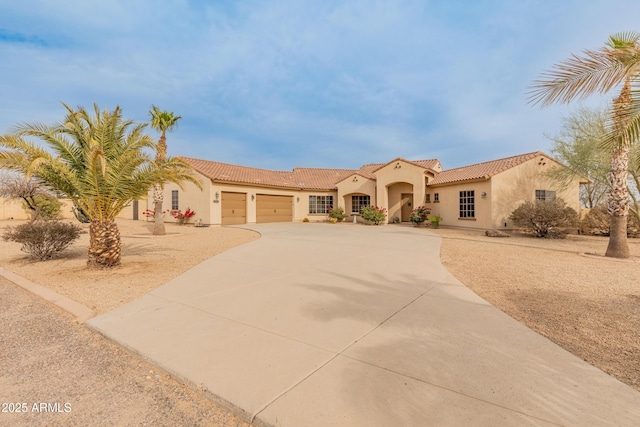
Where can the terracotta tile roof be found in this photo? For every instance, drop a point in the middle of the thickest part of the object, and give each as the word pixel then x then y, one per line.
pixel 368 170
pixel 482 170
pixel 326 179
pixel 305 178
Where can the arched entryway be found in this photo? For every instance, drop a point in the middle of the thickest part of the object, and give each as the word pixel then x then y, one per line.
pixel 400 201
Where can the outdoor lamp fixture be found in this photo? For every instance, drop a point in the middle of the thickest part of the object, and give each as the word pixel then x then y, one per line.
pixel 297 199
pixel 253 197
pixel 483 194
pixel 217 197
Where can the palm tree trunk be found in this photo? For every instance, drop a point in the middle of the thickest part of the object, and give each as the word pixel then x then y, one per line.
pixel 104 244
pixel 618 202
pixel 158 194
pixel 158 198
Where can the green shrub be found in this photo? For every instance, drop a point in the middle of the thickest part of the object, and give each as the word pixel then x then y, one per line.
pixel 550 218
pixel 43 239
pixel 337 213
pixel 373 215
pixel 419 215
pixel 47 207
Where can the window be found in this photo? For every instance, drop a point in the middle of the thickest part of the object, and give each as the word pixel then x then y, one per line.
pixel 427 198
pixel 436 197
pixel 545 195
pixel 359 202
pixel 467 204
pixel 174 200
pixel 320 204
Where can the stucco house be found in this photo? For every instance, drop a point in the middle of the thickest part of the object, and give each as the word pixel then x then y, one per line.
pixel 482 195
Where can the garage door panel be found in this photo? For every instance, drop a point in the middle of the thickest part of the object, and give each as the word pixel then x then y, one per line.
pixel 234 208
pixel 274 208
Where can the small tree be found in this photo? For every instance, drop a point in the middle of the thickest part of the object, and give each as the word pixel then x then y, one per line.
pixel 37 200
pixel 549 218
pixel 47 207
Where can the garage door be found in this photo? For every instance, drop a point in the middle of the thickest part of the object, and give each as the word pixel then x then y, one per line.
pixel 234 208
pixel 274 208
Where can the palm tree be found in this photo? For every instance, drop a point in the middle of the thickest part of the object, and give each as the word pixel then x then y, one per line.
pixel 99 161
pixel 163 122
pixel 617 64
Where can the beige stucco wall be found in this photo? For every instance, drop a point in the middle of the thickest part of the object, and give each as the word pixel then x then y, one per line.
pixel 504 193
pixel 517 185
pixel 191 197
pixel 208 207
pixel 12 209
pixel 449 205
pixel 355 185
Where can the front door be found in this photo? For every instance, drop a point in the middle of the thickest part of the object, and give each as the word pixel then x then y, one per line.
pixel 407 202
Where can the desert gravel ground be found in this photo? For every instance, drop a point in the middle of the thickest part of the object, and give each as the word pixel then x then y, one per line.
pixel 588 305
pixel 46 357
pixel 82 378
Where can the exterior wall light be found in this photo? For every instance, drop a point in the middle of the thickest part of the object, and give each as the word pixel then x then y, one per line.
pixel 253 197
pixel 217 197
pixel 483 194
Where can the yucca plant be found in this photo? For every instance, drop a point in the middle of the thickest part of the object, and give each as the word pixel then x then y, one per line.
pixel 100 161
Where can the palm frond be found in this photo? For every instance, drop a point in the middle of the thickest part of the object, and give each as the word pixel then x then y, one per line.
pixel 578 77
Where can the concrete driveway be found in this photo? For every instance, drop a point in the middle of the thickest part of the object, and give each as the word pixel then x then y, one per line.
pixel 349 325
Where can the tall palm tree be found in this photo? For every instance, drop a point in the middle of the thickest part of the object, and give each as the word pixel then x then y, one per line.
pixel 615 65
pixel 99 161
pixel 163 122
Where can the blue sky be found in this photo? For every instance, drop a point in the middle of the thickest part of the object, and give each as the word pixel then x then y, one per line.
pixel 283 84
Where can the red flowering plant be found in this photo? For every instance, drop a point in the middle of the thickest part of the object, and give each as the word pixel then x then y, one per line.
pixel 419 215
pixel 151 213
pixel 374 215
pixel 183 218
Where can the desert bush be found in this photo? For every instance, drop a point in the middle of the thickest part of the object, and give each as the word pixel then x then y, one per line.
pixel 419 215
pixel 337 213
pixel 43 239
pixel 373 215
pixel 550 218
pixel 46 207
pixel 596 222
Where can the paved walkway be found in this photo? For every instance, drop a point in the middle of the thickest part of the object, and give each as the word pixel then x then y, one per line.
pixel 347 325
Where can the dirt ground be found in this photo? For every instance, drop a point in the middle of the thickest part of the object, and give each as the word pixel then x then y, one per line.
pixel 48 358
pixel 589 305
pixel 59 373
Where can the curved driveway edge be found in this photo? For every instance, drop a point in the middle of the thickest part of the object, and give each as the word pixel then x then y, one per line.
pixel 81 312
pixel 348 325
